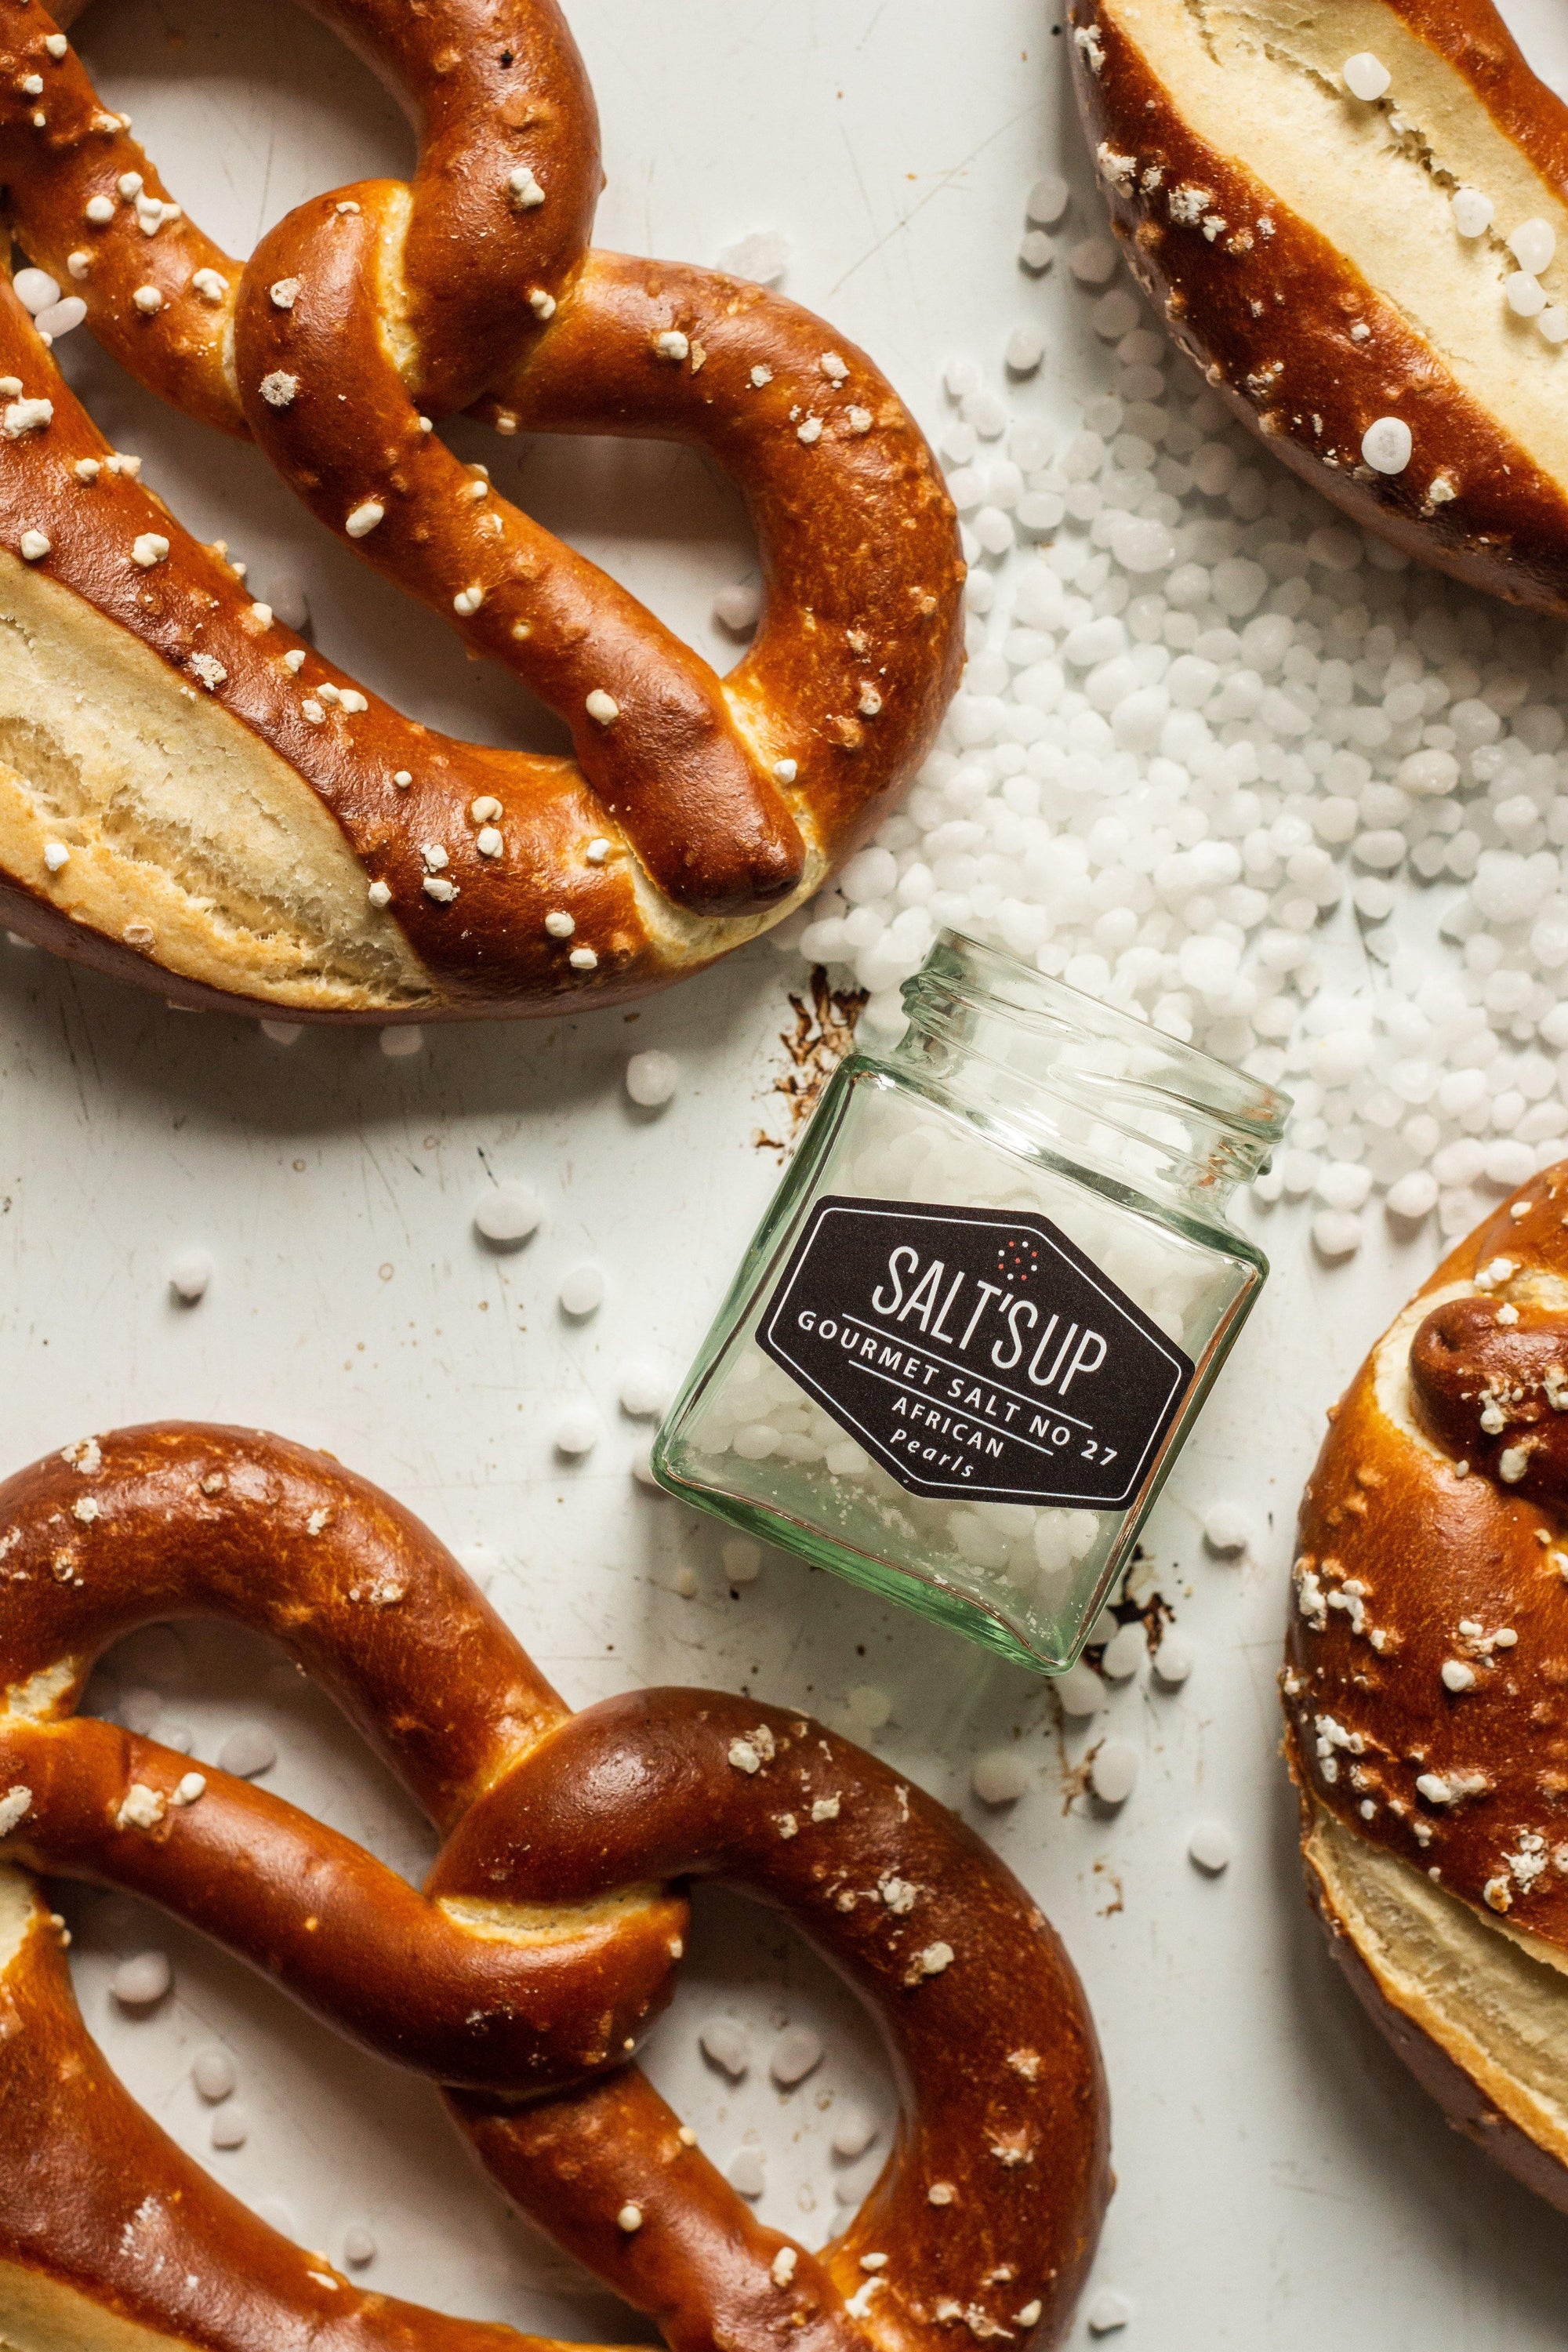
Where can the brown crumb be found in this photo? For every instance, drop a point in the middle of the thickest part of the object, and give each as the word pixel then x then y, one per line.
pixel 823 1035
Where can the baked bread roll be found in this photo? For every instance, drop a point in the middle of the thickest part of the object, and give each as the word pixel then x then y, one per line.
pixel 1350 217
pixel 192 797
pixel 1427 1685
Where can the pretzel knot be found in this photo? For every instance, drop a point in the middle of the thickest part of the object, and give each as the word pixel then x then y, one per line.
pixel 345 860
pixel 526 1972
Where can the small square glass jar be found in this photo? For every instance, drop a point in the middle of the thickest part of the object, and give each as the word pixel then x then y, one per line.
pixel 980 1318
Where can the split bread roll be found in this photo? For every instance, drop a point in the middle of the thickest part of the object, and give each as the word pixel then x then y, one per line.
pixel 1355 219
pixel 1427 1685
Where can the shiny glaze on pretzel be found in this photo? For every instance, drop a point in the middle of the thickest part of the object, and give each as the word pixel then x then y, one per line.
pixel 339 860
pixel 524 1975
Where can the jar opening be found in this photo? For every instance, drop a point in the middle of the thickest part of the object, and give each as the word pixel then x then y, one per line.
pixel 1041 1057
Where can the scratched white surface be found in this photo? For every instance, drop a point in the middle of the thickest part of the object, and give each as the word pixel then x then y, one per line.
pixel 1280 2181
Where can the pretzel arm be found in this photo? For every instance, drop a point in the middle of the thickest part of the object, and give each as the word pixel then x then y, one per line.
pixel 155 2257
pixel 1003 2111
pixel 327 400
pixel 496 1994
pixel 860 647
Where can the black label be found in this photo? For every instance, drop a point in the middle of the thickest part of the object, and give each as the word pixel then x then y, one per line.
pixel 975 1352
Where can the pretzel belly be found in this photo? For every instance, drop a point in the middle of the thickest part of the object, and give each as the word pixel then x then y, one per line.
pixel 1304 252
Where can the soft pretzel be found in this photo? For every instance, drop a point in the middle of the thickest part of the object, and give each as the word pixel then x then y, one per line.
pixel 1305 244
pixel 192 797
pixel 1427 1684
pixel 525 1974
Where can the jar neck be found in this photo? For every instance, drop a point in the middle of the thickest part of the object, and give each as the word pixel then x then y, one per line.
pixel 1083 1082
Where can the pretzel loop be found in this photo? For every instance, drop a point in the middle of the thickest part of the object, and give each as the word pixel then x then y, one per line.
pixel 696 809
pixel 525 1975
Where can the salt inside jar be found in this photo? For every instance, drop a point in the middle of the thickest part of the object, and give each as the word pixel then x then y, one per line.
pixel 979 1319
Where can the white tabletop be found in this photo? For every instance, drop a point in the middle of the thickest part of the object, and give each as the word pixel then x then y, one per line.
pixel 1281 2181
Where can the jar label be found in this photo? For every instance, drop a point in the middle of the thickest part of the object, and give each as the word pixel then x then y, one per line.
pixel 975 1352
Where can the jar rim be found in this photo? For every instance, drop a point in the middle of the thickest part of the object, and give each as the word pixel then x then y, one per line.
pixel 984 975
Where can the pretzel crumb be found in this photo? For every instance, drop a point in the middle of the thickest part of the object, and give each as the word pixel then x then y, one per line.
pixel 284 292
pixel 142 1808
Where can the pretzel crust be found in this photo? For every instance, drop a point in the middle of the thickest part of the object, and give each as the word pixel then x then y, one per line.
pixel 1426 1668
pixel 1320 282
pixel 525 1974
pixel 695 813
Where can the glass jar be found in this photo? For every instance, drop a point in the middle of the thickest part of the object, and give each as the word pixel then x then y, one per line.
pixel 978 1321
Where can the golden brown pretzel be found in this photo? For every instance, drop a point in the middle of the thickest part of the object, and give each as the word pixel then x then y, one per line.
pixel 1303 244
pixel 524 1975
pixel 235 816
pixel 1427 1684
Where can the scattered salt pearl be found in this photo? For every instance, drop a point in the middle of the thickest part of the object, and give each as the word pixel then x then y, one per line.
pixel 1026 350
pixel 148 547
pixel 1114 1774
pixel 99 210
pixel 57 45
pixel 763 257
pixel 1108 2312
pixel 652 1078
pixel 467 601
pixel 1093 262
pixel 646 1389
pixel 582 1290
pixel 1414 1196
pixel 34 545
pixel 1000 1777
pixel 139 1982
pixel 739 608
pixel 1552 323
pixel 1532 244
pixel 796 2053
pixel 359 2246
pixel 230 2129
pixel 1366 77
pixel 1227 1528
pixel 1080 1692
pixel 190 1275
pixel 1472 212
pixel 870 1707
pixel 728 2044
pixel 1049 200
pixel 1336 1233
pixel 508 1215
pixel 1525 297
pixel 1036 251
pixel 248 1752
pixel 401 1043
pixel 35 288
pixel 577 1429
pixel 747 2172
pixel 57 856
pixel 360 519
pixel 1175 1657
pixel 1124 1653
pixel 1458 1674
pixel 642 1466
pixel 742 1559
pixel 854 2131
pixel 61 317
pixel 149 300
pixel 1386 444
pixel 213 2073
pixel 1210 1846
